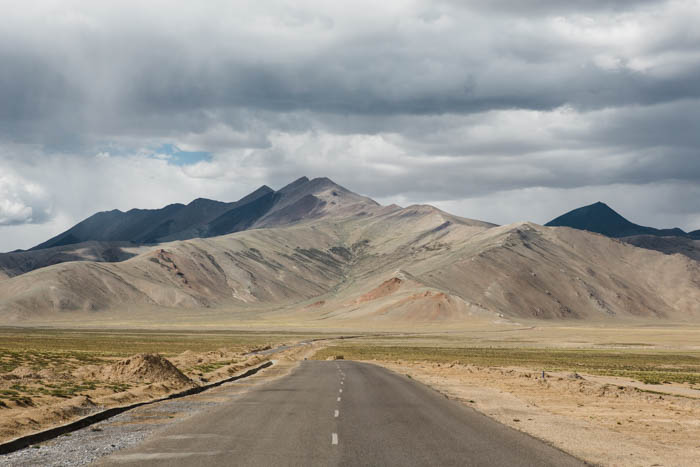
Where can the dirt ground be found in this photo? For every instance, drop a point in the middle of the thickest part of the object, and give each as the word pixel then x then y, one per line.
pixel 604 420
pixel 66 390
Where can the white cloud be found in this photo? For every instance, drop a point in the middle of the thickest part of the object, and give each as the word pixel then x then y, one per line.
pixel 22 201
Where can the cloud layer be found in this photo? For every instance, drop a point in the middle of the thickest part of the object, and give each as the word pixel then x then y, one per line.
pixel 472 105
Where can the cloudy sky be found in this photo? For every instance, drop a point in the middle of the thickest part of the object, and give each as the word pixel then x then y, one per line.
pixel 491 109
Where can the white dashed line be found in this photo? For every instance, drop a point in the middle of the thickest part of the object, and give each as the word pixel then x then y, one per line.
pixel 337 412
pixel 334 438
pixel 340 390
pixel 339 399
pixel 341 382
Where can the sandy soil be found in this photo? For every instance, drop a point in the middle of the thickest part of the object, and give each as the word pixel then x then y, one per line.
pixel 49 398
pixel 604 420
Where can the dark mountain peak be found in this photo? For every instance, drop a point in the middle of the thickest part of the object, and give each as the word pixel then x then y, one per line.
pixel 599 207
pixel 200 202
pixel 601 218
pixel 295 185
pixel 597 217
pixel 205 217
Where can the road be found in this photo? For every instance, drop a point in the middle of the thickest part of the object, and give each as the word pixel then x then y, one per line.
pixel 344 413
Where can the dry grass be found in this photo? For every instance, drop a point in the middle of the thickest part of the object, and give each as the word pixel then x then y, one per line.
pixel 39 367
pixel 647 366
pixel 90 344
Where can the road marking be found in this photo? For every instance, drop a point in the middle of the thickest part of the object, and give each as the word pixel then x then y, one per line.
pixel 341 382
pixel 340 390
pixel 337 412
pixel 339 399
pixel 334 438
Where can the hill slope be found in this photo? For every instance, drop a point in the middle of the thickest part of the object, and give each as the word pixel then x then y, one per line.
pixel 391 266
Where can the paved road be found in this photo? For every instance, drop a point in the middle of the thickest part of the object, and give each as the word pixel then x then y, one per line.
pixel 341 413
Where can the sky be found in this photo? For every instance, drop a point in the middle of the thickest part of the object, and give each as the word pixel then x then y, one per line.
pixel 490 109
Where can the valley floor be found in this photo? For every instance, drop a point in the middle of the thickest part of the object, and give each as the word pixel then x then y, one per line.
pixel 612 396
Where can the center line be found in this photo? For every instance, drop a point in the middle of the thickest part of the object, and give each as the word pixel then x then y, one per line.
pixel 340 390
pixel 337 412
pixel 339 399
pixel 334 438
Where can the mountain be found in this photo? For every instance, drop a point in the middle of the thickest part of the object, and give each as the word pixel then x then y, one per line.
pixel 355 264
pixel 300 200
pixel 602 219
pixel 114 236
pixel 318 255
pixel 148 225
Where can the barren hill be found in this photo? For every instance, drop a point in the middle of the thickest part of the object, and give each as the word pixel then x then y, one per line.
pixel 330 256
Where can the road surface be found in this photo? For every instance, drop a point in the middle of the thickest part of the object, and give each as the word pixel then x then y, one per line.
pixel 344 413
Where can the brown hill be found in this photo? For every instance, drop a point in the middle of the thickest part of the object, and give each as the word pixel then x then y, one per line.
pixel 360 262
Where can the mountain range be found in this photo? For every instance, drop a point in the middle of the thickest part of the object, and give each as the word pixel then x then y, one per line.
pixel 318 254
pixel 202 218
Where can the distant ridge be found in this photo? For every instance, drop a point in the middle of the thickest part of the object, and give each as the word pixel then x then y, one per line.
pixel 265 207
pixel 602 219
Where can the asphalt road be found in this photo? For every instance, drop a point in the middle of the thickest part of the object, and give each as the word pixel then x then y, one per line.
pixel 341 413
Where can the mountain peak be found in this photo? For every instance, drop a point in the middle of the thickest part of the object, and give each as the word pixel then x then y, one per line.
pixel 299 182
pixel 601 218
pixel 597 217
pixel 302 199
pixel 202 202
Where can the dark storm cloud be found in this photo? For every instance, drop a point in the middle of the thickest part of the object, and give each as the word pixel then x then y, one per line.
pixel 115 74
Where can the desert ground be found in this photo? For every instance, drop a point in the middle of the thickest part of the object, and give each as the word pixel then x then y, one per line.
pixel 610 396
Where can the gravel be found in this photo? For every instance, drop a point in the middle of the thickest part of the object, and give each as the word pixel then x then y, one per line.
pixel 89 444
